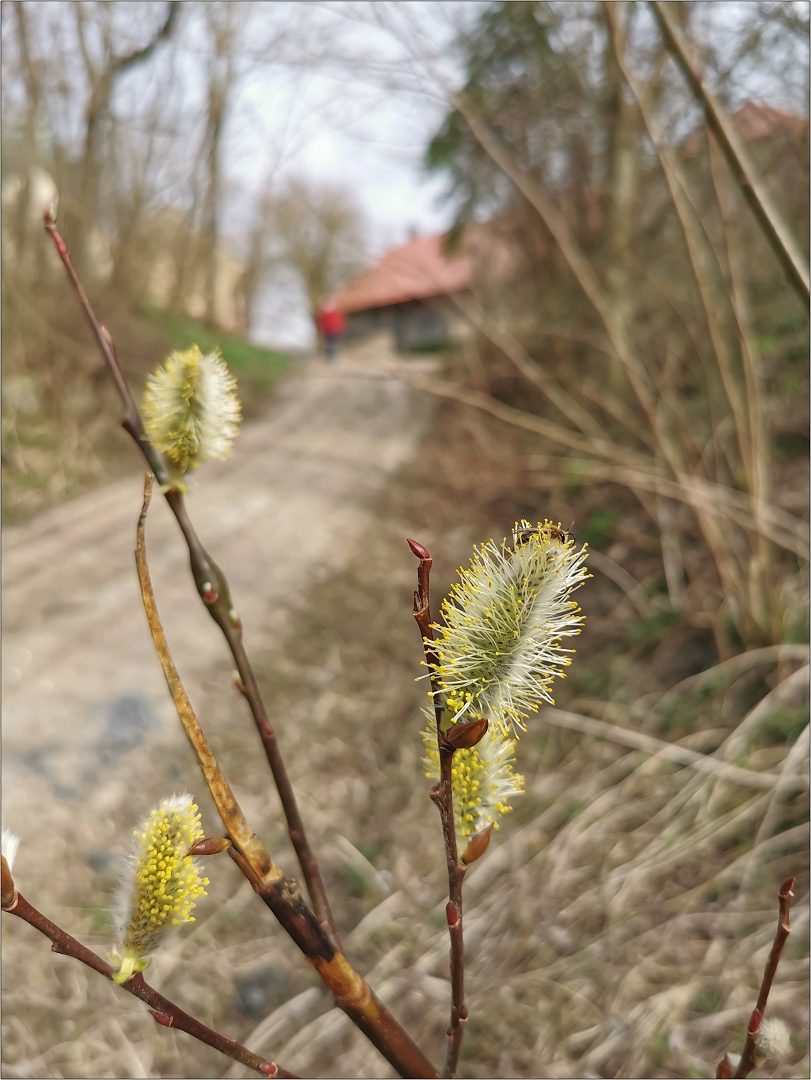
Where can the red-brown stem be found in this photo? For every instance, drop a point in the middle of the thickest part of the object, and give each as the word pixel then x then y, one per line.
pixel 422 615
pixel 784 898
pixel 164 1011
pixel 213 588
pixel 442 795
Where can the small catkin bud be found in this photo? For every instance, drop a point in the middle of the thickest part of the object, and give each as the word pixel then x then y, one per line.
pixel 773 1041
pixel 161 883
pixel 11 844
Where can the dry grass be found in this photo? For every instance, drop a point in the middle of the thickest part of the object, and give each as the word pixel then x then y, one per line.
pixel 619 923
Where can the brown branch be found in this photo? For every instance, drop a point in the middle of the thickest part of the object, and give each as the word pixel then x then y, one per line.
pixel 350 991
pixel 747 1062
pixel 282 896
pixel 212 586
pixel 120 64
pixel 775 229
pixel 163 1011
pixel 442 796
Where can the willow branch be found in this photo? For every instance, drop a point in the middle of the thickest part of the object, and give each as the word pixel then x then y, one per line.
pixel 442 796
pixel 213 588
pixel 282 895
pixel 768 216
pixel 747 1062
pixel 163 1011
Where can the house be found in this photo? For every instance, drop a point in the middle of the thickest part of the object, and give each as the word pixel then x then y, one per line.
pixel 409 294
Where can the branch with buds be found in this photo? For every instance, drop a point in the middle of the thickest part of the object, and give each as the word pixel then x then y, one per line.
pixel 163 1011
pixel 350 992
pixel 205 432
pixel 765 1038
pixel 492 659
pixel 442 796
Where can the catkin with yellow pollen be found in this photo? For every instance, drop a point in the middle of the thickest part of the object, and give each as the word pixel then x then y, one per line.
pixel 482 778
pixel 190 408
pixel 499 649
pixel 499 644
pixel 160 885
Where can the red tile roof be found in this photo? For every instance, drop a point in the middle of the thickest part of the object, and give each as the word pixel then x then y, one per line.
pixel 418 270
pixel 755 121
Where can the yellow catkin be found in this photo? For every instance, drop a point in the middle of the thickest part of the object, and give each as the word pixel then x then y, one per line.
pixel 162 884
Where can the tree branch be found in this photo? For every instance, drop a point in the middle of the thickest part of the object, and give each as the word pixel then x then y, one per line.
pixel 213 588
pixel 775 229
pixel 120 64
pixel 164 1011
pixel 282 895
pixel 747 1062
pixel 442 796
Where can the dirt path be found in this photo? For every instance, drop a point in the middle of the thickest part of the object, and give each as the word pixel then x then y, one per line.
pixel 81 684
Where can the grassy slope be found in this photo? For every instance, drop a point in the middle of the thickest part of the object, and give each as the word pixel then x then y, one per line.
pixel 47 460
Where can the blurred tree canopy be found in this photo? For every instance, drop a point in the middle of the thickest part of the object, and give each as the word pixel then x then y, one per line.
pixel 641 285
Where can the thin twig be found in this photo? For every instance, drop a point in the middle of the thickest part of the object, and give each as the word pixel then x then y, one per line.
pixel 242 835
pixel 282 895
pixel 442 796
pixel 777 233
pixel 213 588
pixel 163 1011
pixel 747 1062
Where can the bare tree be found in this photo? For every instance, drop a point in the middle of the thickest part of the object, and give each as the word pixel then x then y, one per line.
pixel 102 75
pixel 315 233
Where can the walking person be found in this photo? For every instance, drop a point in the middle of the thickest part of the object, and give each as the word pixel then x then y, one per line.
pixel 332 327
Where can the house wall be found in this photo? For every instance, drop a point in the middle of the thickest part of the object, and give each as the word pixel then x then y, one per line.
pixel 415 326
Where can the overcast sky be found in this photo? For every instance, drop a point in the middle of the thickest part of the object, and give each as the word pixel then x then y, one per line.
pixel 342 104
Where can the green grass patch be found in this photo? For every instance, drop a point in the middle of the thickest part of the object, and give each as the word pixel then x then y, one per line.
pixel 708 1000
pixel 647 633
pixel 781 727
pixel 797 629
pixel 599 527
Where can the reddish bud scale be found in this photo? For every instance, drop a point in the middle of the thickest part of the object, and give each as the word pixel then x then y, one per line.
pixel 786 888
pixel 754 1022
pixel 210 845
pixel 269 1069
pixel 451 914
pixel 210 596
pixel 462 736
pixel 236 622
pixel 418 549
pixel 161 1018
pixel 477 846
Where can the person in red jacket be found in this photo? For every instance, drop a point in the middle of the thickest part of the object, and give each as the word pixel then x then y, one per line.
pixel 332 327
